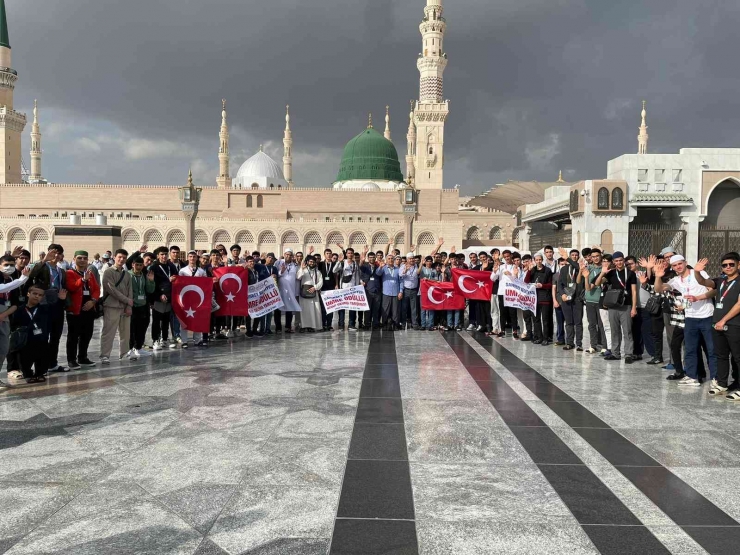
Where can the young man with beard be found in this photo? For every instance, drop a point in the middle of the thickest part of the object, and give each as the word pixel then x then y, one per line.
pixel 620 317
pixel 165 273
pixel 192 270
pixel 327 267
pixel 83 293
pixel 118 298
pixel 348 276
pixel 271 272
pixel 372 291
pixel 592 296
pixel 541 276
pixel 143 288
pixel 507 315
pixel 570 290
pixel 174 322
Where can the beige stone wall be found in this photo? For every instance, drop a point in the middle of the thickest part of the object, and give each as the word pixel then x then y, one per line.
pixel 709 180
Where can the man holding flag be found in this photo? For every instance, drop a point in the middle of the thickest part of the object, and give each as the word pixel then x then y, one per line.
pixel 191 298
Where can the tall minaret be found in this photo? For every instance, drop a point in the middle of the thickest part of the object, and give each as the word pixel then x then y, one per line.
pixel 12 123
pixel 642 138
pixel 431 110
pixel 387 133
pixel 35 176
pixel 288 149
pixel 224 179
pixel 411 147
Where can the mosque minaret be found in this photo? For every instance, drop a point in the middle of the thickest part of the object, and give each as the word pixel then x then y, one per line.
pixel 224 179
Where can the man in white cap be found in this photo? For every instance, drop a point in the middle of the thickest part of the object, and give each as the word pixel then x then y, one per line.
pixel 698 309
pixel 287 283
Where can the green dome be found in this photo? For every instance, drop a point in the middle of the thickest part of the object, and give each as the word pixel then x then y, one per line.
pixel 370 156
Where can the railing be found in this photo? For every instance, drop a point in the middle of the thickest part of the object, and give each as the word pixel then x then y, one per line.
pixel 715 242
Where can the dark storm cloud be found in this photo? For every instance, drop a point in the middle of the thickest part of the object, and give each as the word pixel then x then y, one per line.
pixel 535 85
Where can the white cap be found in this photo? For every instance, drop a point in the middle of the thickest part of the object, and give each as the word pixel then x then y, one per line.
pixel 677 258
pixel 410 255
pixel 286 251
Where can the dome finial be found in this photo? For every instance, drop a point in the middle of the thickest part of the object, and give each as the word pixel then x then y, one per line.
pixel 190 176
pixel 261 148
pixel 370 120
pixel 223 103
pixel 560 177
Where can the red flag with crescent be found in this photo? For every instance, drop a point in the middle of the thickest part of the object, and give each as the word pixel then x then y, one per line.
pixel 232 290
pixel 191 301
pixel 472 284
pixel 440 295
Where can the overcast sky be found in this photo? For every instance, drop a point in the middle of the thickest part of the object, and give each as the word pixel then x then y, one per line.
pixel 130 92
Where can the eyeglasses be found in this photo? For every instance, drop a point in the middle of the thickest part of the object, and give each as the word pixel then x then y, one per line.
pixel 728 265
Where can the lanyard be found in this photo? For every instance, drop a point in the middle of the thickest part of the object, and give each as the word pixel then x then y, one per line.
pixel 726 290
pixel 688 284
pixel 32 315
pixel 253 274
pixel 193 271
pixel 138 279
pixel 167 273
pixel 620 279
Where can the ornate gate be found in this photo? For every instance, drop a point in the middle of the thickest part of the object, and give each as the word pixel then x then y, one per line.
pixel 714 243
pixel 648 239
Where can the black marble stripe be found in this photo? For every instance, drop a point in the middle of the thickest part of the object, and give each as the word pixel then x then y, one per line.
pixel 709 525
pixel 376 506
pixel 596 508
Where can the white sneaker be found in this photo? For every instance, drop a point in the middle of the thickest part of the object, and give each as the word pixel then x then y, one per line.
pixel 104 360
pixel 158 345
pixel 479 328
pixel 173 344
pixel 15 375
pixel 128 355
pixel 471 327
pixel 133 354
pixel 591 351
pixel 229 334
pixel 689 382
pixel 716 389
pixel 178 339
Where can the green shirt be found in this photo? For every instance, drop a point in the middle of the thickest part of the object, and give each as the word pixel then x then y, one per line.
pixel 594 295
pixel 142 287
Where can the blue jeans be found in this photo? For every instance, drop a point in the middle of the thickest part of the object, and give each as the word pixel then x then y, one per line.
pixel 352 318
pixel 560 319
pixel 427 318
pixel 696 327
pixel 175 323
pixel 268 321
pixel 453 318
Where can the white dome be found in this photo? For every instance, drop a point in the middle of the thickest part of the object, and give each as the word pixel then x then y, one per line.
pixel 261 165
pixel 370 186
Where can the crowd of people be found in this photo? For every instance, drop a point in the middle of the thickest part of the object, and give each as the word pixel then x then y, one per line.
pixel 657 309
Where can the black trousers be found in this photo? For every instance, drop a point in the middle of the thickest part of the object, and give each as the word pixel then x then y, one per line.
pixel 727 349
pixel 676 353
pixel 573 313
pixel 528 322
pixel 140 318
pixel 79 334
pixel 375 302
pixel 483 315
pixel 160 325
pixel 657 333
pixel 543 322
pixel 473 313
pixel 34 358
pixel 56 327
pixel 503 312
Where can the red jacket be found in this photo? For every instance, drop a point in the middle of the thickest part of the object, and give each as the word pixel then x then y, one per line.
pixel 74 291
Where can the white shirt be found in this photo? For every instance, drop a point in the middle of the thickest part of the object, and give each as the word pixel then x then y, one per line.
pixel 187 272
pixel 689 286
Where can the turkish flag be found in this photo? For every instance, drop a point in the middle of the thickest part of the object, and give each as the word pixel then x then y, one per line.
pixel 191 301
pixel 472 284
pixel 440 295
pixel 232 289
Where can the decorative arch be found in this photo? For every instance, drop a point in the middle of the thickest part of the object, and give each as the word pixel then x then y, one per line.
pixel 267 238
pixel 335 237
pixel 723 204
pixel 617 199
pixel 515 237
pixel 244 237
pixel 260 203
pixel 722 181
pixel 495 233
pixel 131 236
pixel 425 239
pixel 381 238
pixel 221 236
pixel 176 237
pixel 201 236
pixel 290 238
pixel 400 239
pixel 473 234
pixel 153 237
pixel 357 239
pixel 249 201
pixel 607 241
pixel 602 199
pixel 16 236
pixel 39 234
pixel 312 238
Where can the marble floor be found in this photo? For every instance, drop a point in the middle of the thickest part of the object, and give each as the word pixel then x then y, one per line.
pixel 406 443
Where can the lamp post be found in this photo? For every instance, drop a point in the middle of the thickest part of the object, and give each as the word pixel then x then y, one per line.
pixel 189 200
pixel 409 203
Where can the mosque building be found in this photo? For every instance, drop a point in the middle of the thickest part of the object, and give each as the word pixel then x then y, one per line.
pixel 265 206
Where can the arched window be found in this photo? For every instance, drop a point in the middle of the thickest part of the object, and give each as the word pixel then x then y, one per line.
pixel 267 238
pixel 603 199
pixel 153 237
pixel 272 185
pixel 244 238
pixel 334 237
pixel 495 233
pixel 290 238
pixel 39 235
pixel 617 199
pixel 515 238
pixel 259 201
pixel 607 241
pixel 131 236
pixel 249 201
pixel 313 238
pixel 175 237
pixel 381 239
pixel 400 239
pixel 255 186
pixel 357 239
pixel 425 239
pixel 474 234
pixel 574 201
pixel 201 236
pixel 221 237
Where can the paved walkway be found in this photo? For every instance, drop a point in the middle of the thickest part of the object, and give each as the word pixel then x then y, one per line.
pixel 406 443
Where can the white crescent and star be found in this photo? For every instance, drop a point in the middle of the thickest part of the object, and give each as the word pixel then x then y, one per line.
pixel 461 284
pixel 189 312
pixel 226 277
pixel 430 296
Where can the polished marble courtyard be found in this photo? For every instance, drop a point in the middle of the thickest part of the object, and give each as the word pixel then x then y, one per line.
pixel 405 443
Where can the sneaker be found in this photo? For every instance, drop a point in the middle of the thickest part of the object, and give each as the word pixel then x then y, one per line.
pixel 158 346
pixel 104 360
pixel 184 344
pixel 352 328
pixel 74 365
pixel 716 389
pixel 87 363
pixel 458 328
pixel 515 335
pixel 173 344
pixel 15 375
pixel 569 347
pixel 471 327
pixel 127 355
pixel 591 351
pixel 636 357
pixel 689 382
pixel 559 343
pixel 655 361
pixel 611 357
pixel 526 338
pixel 479 328
pixel 59 368
pixel 734 396
pixel 628 360
pixel 178 339
pixel 676 377
pixel 607 353
pixel 133 354
pixel 202 343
